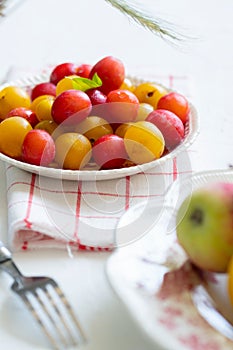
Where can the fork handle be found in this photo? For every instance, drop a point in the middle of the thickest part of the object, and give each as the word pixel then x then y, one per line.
pixel 7 264
pixel 5 254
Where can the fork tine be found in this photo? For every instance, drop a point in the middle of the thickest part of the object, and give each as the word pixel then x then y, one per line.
pixel 71 313
pixel 47 304
pixel 71 319
pixel 41 322
pixel 52 311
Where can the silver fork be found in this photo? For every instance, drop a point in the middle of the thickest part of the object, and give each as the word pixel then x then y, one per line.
pixel 47 303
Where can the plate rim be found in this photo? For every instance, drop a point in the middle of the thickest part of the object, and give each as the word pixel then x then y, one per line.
pixel 114 258
pixel 121 252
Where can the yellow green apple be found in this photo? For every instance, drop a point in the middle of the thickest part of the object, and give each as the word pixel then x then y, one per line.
pixel 204 225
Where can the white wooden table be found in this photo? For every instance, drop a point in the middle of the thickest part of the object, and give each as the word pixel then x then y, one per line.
pixel 52 31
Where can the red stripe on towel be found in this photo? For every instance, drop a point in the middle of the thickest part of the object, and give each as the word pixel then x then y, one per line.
pixel 24 245
pixel 175 172
pixel 127 192
pixel 29 206
pixel 78 209
pixel 80 246
pixel 171 81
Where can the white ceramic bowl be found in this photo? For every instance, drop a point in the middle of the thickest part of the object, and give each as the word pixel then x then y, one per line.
pixel 91 173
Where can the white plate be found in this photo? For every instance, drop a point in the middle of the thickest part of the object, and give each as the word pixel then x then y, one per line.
pixel 91 174
pixel 136 269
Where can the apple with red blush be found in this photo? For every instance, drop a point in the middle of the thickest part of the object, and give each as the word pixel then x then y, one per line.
pixel 204 226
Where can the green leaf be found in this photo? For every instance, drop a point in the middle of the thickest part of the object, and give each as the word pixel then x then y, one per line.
pixel 85 84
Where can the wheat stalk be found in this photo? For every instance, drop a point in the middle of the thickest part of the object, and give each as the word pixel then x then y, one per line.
pixel 2 7
pixel 155 25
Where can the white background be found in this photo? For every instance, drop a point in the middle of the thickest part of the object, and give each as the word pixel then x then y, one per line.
pixel 55 31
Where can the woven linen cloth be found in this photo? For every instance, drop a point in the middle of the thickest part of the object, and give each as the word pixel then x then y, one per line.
pixel 53 213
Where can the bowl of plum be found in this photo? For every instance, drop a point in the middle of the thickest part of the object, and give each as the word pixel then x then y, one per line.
pixel 92 122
